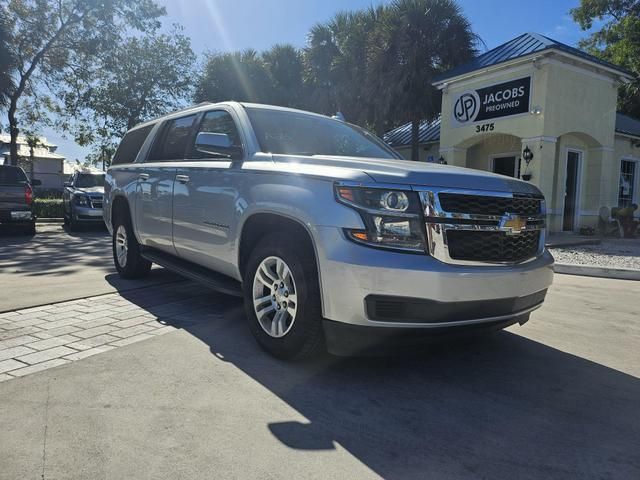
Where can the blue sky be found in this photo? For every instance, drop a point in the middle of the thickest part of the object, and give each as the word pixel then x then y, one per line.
pixel 221 25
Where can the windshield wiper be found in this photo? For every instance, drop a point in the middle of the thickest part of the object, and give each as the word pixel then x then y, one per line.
pixel 217 155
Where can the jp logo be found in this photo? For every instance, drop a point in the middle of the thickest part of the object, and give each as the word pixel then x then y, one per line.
pixel 467 107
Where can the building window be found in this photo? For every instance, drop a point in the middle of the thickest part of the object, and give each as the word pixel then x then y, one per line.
pixel 507 165
pixel 627 187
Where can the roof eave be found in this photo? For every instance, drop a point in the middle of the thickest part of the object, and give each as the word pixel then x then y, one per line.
pixel 622 74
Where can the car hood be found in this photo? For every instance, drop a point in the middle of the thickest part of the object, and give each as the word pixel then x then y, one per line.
pixel 405 172
pixel 91 190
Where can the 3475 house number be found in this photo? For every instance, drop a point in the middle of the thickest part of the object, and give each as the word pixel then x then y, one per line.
pixel 485 127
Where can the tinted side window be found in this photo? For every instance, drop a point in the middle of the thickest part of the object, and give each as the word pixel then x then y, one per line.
pixel 173 144
pixel 131 145
pixel 12 176
pixel 217 121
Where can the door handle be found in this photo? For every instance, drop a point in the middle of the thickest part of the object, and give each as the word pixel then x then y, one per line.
pixel 143 176
pixel 182 178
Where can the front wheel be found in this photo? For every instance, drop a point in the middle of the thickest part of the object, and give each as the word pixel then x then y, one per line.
pixel 282 298
pixel 126 250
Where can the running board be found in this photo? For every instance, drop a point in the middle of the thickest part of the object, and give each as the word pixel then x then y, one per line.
pixel 211 279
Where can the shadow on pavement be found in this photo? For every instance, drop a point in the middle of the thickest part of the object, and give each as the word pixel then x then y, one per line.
pixel 498 407
pixel 49 253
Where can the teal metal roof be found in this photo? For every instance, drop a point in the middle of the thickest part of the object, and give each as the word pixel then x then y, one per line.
pixel 525 44
pixel 627 125
pixel 427 133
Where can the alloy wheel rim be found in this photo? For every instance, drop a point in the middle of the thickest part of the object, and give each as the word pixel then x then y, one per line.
pixel 121 246
pixel 275 297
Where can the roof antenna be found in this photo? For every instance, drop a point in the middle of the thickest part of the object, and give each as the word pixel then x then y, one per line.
pixel 339 116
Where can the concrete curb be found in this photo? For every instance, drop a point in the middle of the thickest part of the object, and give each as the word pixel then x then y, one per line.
pixel 601 272
pixel 49 220
pixel 574 243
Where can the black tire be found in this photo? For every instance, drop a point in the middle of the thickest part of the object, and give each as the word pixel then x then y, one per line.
pixel 134 265
pixel 305 338
pixel 30 229
pixel 72 223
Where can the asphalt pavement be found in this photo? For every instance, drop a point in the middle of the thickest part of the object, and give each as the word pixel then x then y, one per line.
pixel 58 265
pixel 556 398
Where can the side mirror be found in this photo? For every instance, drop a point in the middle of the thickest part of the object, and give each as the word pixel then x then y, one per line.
pixel 36 183
pixel 216 145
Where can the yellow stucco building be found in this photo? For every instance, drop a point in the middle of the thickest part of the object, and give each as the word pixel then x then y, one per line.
pixel 538 99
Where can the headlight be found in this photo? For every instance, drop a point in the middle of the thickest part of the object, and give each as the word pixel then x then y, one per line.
pixel 81 200
pixel 392 218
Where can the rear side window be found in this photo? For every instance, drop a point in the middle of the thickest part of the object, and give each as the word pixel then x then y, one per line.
pixel 173 142
pixel 12 176
pixel 131 145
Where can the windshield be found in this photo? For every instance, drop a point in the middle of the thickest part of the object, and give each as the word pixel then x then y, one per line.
pixel 293 133
pixel 88 180
pixel 12 176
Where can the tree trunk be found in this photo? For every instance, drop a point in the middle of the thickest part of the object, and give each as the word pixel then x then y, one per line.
pixel 415 149
pixel 13 131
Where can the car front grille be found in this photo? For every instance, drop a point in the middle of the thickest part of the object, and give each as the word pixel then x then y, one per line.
pixel 469 228
pixel 491 246
pixel 525 205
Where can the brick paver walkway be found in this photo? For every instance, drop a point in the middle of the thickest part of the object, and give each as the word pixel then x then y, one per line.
pixel 39 338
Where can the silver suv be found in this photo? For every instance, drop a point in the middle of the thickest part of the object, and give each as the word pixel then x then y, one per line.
pixel 328 234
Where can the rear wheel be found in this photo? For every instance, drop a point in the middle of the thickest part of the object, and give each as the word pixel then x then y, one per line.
pixel 282 298
pixel 126 250
pixel 30 229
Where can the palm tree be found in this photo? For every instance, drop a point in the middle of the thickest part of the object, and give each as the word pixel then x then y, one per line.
pixel 336 64
pixel 239 76
pixel 415 41
pixel 284 66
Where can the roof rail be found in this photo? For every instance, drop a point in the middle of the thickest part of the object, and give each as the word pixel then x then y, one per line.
pixel 190 107
pixel 155 119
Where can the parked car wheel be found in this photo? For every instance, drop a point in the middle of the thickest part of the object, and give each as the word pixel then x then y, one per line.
pixel 30 229
pixel 282 299
pixel 126 250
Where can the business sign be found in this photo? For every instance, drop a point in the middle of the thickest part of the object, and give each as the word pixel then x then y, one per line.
pixel 502 100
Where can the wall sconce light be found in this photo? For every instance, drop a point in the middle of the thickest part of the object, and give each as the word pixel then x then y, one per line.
pixel 442 161
pixel 527 156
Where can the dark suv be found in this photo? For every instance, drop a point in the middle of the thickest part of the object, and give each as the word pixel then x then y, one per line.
pixel 16 199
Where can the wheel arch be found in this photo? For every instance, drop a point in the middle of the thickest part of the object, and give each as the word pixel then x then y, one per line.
pixel 259 224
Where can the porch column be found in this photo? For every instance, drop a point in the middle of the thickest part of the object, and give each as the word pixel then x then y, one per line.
pixel 543 173
pixel 603 170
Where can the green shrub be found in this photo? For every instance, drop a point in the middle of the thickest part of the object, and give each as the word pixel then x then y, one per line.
pixel 48 207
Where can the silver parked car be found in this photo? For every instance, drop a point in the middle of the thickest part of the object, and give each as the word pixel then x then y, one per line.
pixel 82 198
pixel 328 234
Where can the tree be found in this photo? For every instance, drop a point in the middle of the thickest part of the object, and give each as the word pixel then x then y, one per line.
pixel 140 78
pixel 617 41
pixel 415 41
pixel 336 65
pixel 7 62
pixel 284 66
pixel 33 142
pixel 239 76
pixel 58 40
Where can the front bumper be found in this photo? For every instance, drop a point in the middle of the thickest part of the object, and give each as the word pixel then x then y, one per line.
pixel 86 214
pixel 350 274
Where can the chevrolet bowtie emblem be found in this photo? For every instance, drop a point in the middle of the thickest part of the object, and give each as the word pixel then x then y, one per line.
pixel 513 224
